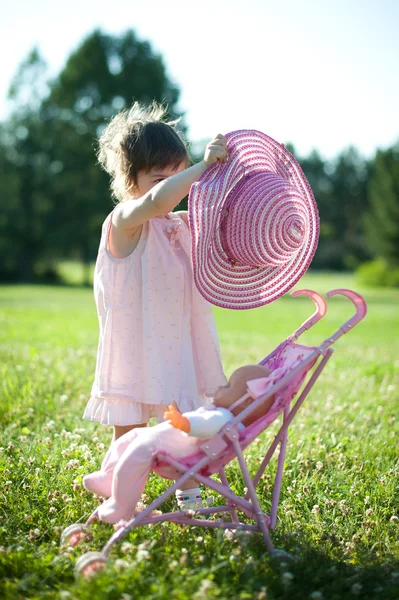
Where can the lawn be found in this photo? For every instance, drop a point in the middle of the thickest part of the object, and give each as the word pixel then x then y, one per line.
pixel 339 504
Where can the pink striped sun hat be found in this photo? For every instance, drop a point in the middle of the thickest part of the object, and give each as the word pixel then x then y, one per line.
pixel 254 223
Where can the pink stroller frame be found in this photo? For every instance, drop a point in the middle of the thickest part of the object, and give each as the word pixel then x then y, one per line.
pixel 293 362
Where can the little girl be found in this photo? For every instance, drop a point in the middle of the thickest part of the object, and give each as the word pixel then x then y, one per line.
pixel 158 341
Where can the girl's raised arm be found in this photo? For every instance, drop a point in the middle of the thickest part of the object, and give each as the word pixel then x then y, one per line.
pixel 165 195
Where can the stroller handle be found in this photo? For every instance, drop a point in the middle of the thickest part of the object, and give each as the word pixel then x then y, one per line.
pixel 361 311
pixel 357 300
pixel 321 309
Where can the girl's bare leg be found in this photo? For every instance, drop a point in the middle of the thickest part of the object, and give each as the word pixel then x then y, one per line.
pixel 120 430
pixel 189 484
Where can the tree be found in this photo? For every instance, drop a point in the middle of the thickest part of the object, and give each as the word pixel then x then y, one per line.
pixel 319 179
pixel 382 220
pixel 350 200
pixel 25 162
pixel 105 74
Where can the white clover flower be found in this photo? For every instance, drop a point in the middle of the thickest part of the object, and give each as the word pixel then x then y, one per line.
pixel 127 547
pixel 287 577
pixel 356 589
pixel 206 585
pixel 316 509
pixel 144 545
pixel 72 464
pixel 350 546
pixel 232 558
pixel 142 555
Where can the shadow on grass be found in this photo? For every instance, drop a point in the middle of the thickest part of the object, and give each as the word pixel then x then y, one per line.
pixel 327 571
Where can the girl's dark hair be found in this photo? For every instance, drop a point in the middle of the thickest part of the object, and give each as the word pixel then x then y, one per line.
pixel 139 140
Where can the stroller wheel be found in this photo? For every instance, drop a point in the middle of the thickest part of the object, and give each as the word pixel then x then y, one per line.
pixel 72 535
pixel 90 563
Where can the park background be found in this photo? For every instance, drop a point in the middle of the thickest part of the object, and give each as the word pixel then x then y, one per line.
pixel 320 77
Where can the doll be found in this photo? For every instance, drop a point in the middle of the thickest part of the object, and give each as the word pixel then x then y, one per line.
pixel 129 460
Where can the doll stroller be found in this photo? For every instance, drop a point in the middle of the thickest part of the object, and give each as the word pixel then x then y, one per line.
pixel 297 367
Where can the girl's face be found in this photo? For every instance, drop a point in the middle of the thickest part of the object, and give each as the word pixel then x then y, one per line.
pixel 147 180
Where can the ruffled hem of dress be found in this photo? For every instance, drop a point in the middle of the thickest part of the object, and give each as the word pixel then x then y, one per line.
pixel 120 411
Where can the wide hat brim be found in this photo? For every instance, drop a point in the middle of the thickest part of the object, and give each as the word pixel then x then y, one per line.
pixel 217 279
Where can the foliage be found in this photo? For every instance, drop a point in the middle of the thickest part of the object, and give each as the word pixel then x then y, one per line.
pixel 338 512
pixel 340 189
pixel 379 273
pixel 25 159
pixel 382 221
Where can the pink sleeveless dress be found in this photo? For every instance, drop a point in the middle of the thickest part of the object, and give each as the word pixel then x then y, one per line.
pixel 158 342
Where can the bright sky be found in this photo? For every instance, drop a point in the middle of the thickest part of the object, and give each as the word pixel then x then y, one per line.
pixel 320 73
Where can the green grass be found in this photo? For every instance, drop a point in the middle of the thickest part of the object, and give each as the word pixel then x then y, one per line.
pixel 339 503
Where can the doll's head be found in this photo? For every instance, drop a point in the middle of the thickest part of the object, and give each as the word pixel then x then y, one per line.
pixel 138 143
pixel 237 386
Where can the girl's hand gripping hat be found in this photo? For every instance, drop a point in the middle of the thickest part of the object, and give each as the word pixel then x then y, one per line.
pixel 254 223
